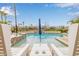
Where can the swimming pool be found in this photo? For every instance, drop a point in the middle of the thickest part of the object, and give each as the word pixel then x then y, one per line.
pixel 45 38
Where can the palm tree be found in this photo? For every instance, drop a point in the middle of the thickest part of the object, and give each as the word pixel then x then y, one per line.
pixel 5 17
pixel 16 29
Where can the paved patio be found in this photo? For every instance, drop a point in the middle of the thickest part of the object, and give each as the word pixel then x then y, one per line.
pixel 40 50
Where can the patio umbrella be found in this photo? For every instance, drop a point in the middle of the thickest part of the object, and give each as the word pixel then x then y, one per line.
pixel 40 32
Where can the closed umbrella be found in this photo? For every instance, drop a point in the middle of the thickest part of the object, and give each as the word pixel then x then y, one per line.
pixel 40 32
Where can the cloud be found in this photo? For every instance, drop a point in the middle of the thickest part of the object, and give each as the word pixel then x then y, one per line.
pixel 8 10
pixel 74 14
pixel 62 5
pixel 46 5
pixel 68 6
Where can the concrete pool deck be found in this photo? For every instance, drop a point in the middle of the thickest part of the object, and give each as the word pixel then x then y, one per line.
pixel 40 50
pixel 63 40
pixel 65 51
pixel 18 51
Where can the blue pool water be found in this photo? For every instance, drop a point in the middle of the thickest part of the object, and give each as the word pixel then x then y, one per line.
pixel 44 35
pixel 45 38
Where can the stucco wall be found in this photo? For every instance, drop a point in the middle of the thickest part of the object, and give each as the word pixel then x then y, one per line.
pixel 7 37
pixel 72 33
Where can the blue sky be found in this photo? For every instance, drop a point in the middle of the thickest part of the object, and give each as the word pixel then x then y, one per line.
pixel 53 14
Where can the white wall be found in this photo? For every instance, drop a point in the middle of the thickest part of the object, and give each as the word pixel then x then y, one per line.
pixel 72 33
pixel 7 37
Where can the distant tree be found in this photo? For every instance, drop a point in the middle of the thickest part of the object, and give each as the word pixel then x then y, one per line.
pixel 75 20
pixel 5 22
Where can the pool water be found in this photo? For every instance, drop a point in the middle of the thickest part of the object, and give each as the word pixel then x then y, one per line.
pixel 45 38
pixel 44 35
